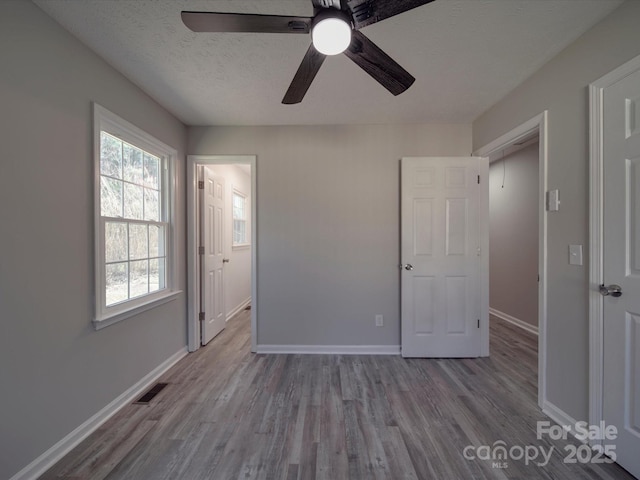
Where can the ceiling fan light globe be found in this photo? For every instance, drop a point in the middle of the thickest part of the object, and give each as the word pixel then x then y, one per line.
pixel 331 36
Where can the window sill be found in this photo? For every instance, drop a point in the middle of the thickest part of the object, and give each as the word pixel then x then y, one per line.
pixel 241 246
pixel 108 320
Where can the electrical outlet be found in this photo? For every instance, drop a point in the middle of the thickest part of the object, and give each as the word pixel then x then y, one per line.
pixel 379 320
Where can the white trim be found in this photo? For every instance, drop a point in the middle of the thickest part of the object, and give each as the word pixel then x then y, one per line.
pixel 538 123
pixel 596 245
pixel 153 303
pixel 483 170
pixel 513 320
pixel 68 443
pixel 238 309
pixel 331 349
pixel 561 418
pixel 193 297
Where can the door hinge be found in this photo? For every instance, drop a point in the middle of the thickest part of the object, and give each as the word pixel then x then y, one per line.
pixel 478 179
pixel 201 250
pixel 201 316
pixel 201 185
pixel 478 323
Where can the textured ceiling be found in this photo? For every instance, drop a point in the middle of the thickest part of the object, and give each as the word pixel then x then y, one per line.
pixel 465 54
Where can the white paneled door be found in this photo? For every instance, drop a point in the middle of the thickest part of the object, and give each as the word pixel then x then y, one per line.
pixel 444 241
pixel 212 254
pixel 621 268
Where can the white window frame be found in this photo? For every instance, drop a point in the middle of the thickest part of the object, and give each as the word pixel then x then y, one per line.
pixel 246 243
pixel 104 120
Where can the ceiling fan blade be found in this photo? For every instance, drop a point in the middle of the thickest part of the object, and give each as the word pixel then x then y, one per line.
pixel 307 71
pixel 245 22
pixel 368 56
pixel 366 12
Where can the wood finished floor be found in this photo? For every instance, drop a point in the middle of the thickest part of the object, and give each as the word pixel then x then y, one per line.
pixel 230 414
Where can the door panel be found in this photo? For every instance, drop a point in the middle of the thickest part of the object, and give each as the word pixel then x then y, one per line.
pixel 456 288
pixel 633 395
pixel 212 201
pixel 456 233
pixel 621 367
pixel 440 230
pixel 423 304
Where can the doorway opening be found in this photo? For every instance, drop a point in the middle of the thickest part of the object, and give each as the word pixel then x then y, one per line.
pixel 221 244
pixel 513 212
pixel 522 144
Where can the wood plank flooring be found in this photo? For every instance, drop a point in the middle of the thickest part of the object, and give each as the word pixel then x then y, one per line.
pixel 230 414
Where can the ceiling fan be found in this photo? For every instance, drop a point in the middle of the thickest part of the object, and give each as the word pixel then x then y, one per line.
pixel 335 28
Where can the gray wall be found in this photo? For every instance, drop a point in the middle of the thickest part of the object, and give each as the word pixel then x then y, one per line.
pixel 56 371
pixel 561 86
pixel 513 255
pixel 328 223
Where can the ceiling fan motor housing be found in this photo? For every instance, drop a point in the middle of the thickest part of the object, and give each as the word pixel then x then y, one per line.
pixel 331 13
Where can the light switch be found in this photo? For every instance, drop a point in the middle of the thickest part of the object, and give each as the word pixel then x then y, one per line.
pixel 553 200
pixel 575 254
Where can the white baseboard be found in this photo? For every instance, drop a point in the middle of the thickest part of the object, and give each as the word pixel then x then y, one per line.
pixel 560 417
pixel 515 321
pixel 331 349
pixel 64 446
pixel 238 309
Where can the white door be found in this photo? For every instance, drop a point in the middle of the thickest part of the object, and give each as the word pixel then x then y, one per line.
pixel 621 377
pixel 212 255
pixel 443 205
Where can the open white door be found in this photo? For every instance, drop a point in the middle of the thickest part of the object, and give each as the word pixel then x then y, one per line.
pixel 212 255
pixel 443 210
pixel 621 268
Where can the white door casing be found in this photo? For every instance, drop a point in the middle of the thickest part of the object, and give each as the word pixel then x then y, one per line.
pixel 621 266
pixel 444 272
pixel 212 259
pixel 535 125
pixel 194 164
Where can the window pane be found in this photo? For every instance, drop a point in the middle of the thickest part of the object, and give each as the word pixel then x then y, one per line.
pixel 133 201
pixel 156 274
pixel 151 205
pixel 132 164
pixel 138 278
pixel 238 206
pixel 115 242
pixel 151 171
pixel 138 241
pixel 110 155
pixel 239 231
pixel 110 197
pixel 156 241
pixel 116 283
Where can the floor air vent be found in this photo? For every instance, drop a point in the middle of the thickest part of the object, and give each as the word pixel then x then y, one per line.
pixel 151 393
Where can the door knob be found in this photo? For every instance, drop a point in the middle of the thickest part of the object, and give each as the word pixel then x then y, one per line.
pixel 225 260
pixel 613 290
pixel 408 266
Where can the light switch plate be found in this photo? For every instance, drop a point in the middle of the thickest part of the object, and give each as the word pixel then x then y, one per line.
pixel 575 254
